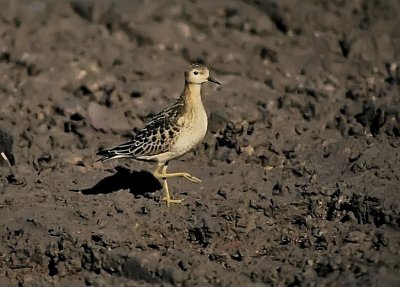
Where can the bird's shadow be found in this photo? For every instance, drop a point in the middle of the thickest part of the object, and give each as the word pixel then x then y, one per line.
pixel 138 182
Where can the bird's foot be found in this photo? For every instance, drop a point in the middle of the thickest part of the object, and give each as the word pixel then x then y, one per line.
pixel 186 175
pixel 191 177
pixel 169 200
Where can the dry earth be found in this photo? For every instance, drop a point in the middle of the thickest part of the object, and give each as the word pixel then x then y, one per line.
pixel 300 167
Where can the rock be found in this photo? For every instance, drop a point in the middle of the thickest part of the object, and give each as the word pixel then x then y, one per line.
pixel 149 267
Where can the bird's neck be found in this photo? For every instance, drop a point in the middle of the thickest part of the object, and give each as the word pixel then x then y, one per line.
pixel 192 95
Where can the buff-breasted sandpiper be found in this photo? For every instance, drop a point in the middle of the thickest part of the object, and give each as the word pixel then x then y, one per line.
pixel 172 132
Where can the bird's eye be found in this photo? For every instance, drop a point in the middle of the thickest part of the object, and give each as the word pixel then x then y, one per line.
pixel 195 72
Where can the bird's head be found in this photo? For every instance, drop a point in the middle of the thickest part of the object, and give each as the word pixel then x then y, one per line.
pixel 198 74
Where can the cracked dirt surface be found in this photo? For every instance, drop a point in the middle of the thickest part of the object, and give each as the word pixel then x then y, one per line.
pixel 300 166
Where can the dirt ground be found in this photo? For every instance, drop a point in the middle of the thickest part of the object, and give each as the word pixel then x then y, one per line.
pixel 300 165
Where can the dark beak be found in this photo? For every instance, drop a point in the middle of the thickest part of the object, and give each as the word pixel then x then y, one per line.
pixel 213 81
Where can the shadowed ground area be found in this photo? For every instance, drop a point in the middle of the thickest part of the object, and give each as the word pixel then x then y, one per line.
pixel 300 166
pixel 138 183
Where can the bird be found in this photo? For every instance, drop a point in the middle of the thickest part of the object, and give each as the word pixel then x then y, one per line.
pixel 171 133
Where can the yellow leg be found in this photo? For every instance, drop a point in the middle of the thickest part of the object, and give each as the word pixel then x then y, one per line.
pixel 167 197
pixel 161 176
pixel 164 174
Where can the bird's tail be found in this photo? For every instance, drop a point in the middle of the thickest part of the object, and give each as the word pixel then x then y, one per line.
pixel 105 155
pixel 120 151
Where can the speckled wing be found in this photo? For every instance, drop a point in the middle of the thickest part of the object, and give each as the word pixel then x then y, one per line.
pixel 157 137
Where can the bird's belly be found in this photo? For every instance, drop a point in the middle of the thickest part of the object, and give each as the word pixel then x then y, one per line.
pixel 192 133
